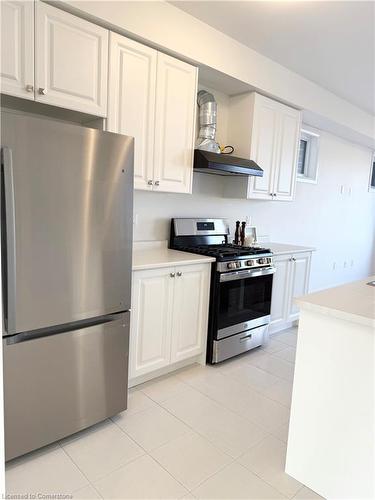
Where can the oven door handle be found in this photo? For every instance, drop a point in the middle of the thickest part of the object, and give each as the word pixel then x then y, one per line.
pixel 249 273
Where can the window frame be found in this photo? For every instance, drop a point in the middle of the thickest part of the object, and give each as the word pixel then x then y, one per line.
pixel 371 188
pixel 312 137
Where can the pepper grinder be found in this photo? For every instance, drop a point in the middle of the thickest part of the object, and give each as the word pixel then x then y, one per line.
pixel 242 234
pixel 237 233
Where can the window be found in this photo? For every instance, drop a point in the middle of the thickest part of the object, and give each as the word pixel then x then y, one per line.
pixel 307 167
pixel 372 175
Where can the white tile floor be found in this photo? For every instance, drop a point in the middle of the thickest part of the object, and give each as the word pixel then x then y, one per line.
pixel 204 432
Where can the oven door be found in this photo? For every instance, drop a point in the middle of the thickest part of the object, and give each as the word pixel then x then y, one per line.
pixel 244 300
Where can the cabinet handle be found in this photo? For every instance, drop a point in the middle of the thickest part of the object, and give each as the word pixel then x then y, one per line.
pixel 275 195
pixel 42 91
pixel 172 275
pixel 149 182
pixel 271 194
pixel 179 273
pixel 29 88
pixel 157 183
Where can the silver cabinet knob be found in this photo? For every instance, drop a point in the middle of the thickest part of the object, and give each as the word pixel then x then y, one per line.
pixel 42 91
pixel 149 182
pixel 179 273
pixel 29 88
pixel 271 194
pixel 157 183
pixel 172 275
pixel 275 195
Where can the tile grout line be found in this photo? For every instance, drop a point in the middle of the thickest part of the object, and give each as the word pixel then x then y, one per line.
pixel 81 471
pixel 234 411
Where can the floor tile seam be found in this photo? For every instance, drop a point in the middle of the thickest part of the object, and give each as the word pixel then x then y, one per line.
pixel 267 482
pixel 232 460
pixel 172 374
pixel 238 414
pixel 78 467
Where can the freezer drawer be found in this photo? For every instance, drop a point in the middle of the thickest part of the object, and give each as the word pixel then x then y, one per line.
pixel 59 384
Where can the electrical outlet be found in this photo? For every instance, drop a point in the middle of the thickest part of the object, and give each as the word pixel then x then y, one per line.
pixel 248 220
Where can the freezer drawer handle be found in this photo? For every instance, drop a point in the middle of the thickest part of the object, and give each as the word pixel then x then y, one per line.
pixel 9 233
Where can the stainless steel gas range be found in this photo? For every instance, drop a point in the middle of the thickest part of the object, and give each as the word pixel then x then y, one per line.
pixel 241 286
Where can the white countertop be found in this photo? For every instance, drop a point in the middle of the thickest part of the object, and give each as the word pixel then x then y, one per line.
pixel 283 248
pixel 156 254
pixel 352 302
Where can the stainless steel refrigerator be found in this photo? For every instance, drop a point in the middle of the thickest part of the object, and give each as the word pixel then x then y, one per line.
pixel 66 232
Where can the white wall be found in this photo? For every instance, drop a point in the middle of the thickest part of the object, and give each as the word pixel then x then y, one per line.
pixel 341 227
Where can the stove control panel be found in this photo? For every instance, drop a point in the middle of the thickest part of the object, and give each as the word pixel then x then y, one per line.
pixel 234 265
pixel 245 263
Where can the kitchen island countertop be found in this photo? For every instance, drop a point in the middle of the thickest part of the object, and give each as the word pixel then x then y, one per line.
pixel 352 302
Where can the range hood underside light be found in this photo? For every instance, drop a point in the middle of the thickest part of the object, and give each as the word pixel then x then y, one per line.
pixel 221 164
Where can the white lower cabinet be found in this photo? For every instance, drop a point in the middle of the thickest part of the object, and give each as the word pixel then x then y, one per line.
pixel 169 316
pixel 290 280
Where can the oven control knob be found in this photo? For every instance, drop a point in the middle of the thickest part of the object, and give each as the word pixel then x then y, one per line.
pixel 250 262
pixel 232 265
pixel 262 260
pixel 238 264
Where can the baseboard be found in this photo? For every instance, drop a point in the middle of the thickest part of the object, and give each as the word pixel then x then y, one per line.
pixel 164 371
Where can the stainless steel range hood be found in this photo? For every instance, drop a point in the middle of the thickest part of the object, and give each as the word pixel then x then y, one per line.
pixel 223 164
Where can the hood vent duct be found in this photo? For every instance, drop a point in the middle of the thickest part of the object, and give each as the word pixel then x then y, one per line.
pixel 208 158
pixel 207 122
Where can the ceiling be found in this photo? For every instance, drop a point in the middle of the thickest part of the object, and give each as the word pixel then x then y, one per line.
pixel 329 42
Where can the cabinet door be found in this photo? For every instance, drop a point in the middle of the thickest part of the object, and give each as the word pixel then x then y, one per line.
pixel 174 125
pixel 190 311
pixel 151 320
pixel 299 282
pixel 287 151
pixel 263 147
pixel 17 49
pixel 280 290
pixel 131 101
pixel 71 58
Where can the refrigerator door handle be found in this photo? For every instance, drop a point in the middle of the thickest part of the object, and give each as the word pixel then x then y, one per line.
pixel 9 235
pixel 68 328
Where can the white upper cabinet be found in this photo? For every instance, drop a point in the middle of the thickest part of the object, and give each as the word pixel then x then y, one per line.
pixel 152 97
pixel 71 61
pixel 131 101
pixel 267 132
pixel 285 170
pixel 176 93
pixel 17 49
pixel 264 149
